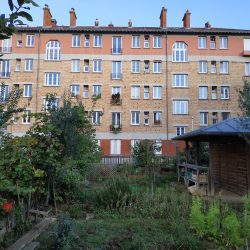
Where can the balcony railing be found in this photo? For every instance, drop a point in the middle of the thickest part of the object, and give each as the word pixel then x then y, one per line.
pixel 115 128
pixel 5 49
pixel 115 101
pixel 116 76
pixel 116 50
pixel 4 74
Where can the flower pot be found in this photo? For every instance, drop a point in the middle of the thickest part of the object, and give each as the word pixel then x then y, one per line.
pixel 7 206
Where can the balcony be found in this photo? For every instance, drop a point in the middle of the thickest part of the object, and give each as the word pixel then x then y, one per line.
pixel 4 74
pixel 116 51
pixel 115 128
pixel 5 49
pixel 116 76
pixel 116 99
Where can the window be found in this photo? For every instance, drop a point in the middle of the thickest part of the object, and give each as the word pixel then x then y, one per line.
pixel 180 80
pixel 115 147
pixel 157 67
pixel 4 93
pixel 157 117
pixel 85 91
pixel 157 92
pixel 86 42
pixel 18 64
pixel 50 105
pixel 26 117
pixel 6 45
pixel 134 143
pixel 53 51
pixel 213 67
pixel 157 43
pixel 247 69
pixel 158 147
pixel 30 40
pixel 180 107
pixel 135 41
pixel 135 92
pixel 146 41
pixel 135 66
pixel 146 118
pixel 135 117
pixel 224 67
pixel 97 65
pixel 116 45
pixel 16 90
pixel 19 40
pixel 179 52
pixel 225 115
pixel 212 42
pixel 96 117
pixel 75 90
pixel 202 66
pixel 15 118
pixel 146 92
pixel 214 92
pixel 27 90
pixel 97 90
pixel 223 42
pixel 28 64
pixel 5 68
pixel 203 92
pixel 76 40
pixel 116 90
pixel 97 41
pixel 86 65
pixel 224 92
pixel 214 117
pixel 116 70
pixel 202 42
pixel 75 67
pixel 116 118
pixel 203 118
pixel 146 66
pixel 180 130
pixel 52 79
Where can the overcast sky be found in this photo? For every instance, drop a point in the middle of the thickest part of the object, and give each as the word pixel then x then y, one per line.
pixel 220 13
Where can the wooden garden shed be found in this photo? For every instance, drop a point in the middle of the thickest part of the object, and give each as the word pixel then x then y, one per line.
pixel 229 155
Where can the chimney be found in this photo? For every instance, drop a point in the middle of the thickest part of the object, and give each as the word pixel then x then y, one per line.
pixel 53 22
pixel 46 16
pixel 72 17
pixel 96 22
pixel 186 20
pixel 129 23
pixel 163 18
pixel 208 25
pixel 111 25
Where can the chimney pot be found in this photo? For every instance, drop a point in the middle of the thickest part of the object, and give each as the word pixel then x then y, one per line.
pixel 73 17
pixel 111 25
pixel 129 23
pixel 53 22
pixel 96 22
pixel 47 16
pixel 208 25
pixel 186 20
pixel 163 18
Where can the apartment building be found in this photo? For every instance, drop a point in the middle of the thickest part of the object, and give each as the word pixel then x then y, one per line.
pixel 136 83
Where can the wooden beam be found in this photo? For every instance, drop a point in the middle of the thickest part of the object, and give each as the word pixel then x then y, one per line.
pixel 187 152
pixel 211 190
pixel 248 168
pixel 197 152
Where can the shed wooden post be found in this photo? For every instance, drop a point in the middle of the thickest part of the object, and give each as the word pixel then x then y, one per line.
pixel 197 152
pixel 187 152
pixel 210 173
pixel 248 168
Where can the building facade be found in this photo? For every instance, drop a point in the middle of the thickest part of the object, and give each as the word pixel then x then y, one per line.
pixel 136 83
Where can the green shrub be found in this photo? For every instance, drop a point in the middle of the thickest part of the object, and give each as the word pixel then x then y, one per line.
pixel 116 194
pixel 213 220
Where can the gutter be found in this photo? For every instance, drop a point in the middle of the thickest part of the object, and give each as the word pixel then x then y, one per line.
pixel 38 69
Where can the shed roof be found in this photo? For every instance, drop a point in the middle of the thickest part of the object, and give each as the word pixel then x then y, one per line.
pixel 229 127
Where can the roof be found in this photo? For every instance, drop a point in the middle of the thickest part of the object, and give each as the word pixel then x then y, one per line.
pixel 229 127
pixel 139 30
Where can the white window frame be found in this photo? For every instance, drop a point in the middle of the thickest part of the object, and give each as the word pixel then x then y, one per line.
pixel 26 117
pixel 224 67
pixel 116 70
pixel 27 90
pixel 4 93
pixel 180 52
pixel 157 67
pixel 96 117
pixel 202 42
pixel 97 41
pixel 157 92
pixel 75 65
pixel 53 50
pixel 225 92
pixel 157 42
pixel 54 104
pixel 116 118
pixel 115 147
pixel 146 118
pixel 180 107
pixel 28 64
pixel 136 42
pixel 135 118
pixel 135 66
pixel 85 91
pixel 115 90
pixel 203 118
pixel 75 90
pixel 52 79
pixel 97 90
pixel 223 42
pixel 116 45
pixel 97 65
pixel 30 40
pixel 5 68
pixel 203 92
pixel 214 92
pixel 157 118
pixel 213 67
pixel 87 41
pixel 202 67
pixel 135 92
pixel 180 130
pixel 18 64
pixel 146 42
pixel 146 92
pixel 180 80
pixel 76 41
pixel 6 45
pixel 247 69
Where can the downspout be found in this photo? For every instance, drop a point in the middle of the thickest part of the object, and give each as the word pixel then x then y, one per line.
pixel 38 68
pixel 167 119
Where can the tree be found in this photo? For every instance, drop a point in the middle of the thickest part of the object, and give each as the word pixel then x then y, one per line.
pixel 18 10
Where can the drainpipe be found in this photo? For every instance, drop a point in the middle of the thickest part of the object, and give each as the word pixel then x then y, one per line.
pixel 167 119
pixel 38 68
